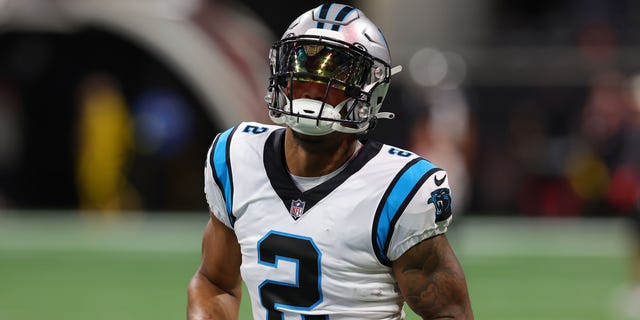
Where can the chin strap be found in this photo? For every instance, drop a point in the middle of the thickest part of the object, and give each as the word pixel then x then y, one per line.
pixel 380 115
pixel 388 115
pixel 385 115
pixel 395 70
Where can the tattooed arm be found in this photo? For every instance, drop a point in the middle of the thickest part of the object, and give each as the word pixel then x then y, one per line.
pixel 432 282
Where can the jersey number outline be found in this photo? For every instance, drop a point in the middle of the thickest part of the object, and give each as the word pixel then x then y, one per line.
pixel 306 293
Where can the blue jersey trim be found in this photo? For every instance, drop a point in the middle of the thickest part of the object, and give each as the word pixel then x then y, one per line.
pixel 396 198
pixel 222 170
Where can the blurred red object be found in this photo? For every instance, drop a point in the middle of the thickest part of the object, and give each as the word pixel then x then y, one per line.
pixel 624 188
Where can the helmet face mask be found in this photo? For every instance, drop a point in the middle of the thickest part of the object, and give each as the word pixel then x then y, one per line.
pixel 310 60
pixel 308 53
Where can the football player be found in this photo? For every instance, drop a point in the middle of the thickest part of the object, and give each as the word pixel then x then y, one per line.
pixel 318 224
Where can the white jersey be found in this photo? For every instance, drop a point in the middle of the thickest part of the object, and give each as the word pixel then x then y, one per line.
pixel 324 253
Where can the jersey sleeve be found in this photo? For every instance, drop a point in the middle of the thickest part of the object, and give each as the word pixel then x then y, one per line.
pixel 212 189
pixel 427 214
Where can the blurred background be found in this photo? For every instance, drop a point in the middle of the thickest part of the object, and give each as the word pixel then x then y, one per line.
pixel 107 109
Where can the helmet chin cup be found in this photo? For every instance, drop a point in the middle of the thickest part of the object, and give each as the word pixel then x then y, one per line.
pixel 305 117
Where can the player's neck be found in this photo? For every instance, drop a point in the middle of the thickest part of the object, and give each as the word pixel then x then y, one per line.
pixel 317 156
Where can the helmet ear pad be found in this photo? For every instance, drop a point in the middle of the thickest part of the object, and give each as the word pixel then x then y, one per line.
pixel 378 92
pixel 277 102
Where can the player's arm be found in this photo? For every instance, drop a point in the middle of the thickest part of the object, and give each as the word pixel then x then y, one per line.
pixel 432 281
pixel 215 290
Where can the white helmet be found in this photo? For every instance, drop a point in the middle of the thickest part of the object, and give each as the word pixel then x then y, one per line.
pixel 337 45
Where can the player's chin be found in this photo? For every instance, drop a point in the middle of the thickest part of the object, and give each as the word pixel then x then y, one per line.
pixel 309 138
pixel 320 144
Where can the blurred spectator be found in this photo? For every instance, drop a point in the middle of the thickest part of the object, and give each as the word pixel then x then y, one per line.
pixel 105 145
pixel 163 123
pixel 539 159
pixel 443 134
pixel 625 193
pixel 609 128
pixel 168 130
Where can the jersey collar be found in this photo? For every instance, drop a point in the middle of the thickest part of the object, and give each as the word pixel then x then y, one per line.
pixel 287 190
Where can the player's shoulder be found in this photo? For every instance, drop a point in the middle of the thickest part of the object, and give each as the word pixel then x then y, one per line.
pixel 245 132
pixel 255 128
pixel 407 166
pixel 397 156
pixel 397 153
pixel 250 129
pixel 238 146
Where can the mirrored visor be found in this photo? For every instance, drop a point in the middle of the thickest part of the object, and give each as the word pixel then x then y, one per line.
pixel 320 62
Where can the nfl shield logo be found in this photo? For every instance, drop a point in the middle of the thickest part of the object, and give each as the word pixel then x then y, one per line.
pixel 297 209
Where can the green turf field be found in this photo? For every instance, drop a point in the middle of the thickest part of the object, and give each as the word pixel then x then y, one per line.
pixel 62 267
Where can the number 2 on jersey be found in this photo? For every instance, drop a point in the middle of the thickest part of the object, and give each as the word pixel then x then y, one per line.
pixel 303 295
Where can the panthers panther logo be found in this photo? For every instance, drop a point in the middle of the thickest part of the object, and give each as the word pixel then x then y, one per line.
pixel 441 199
